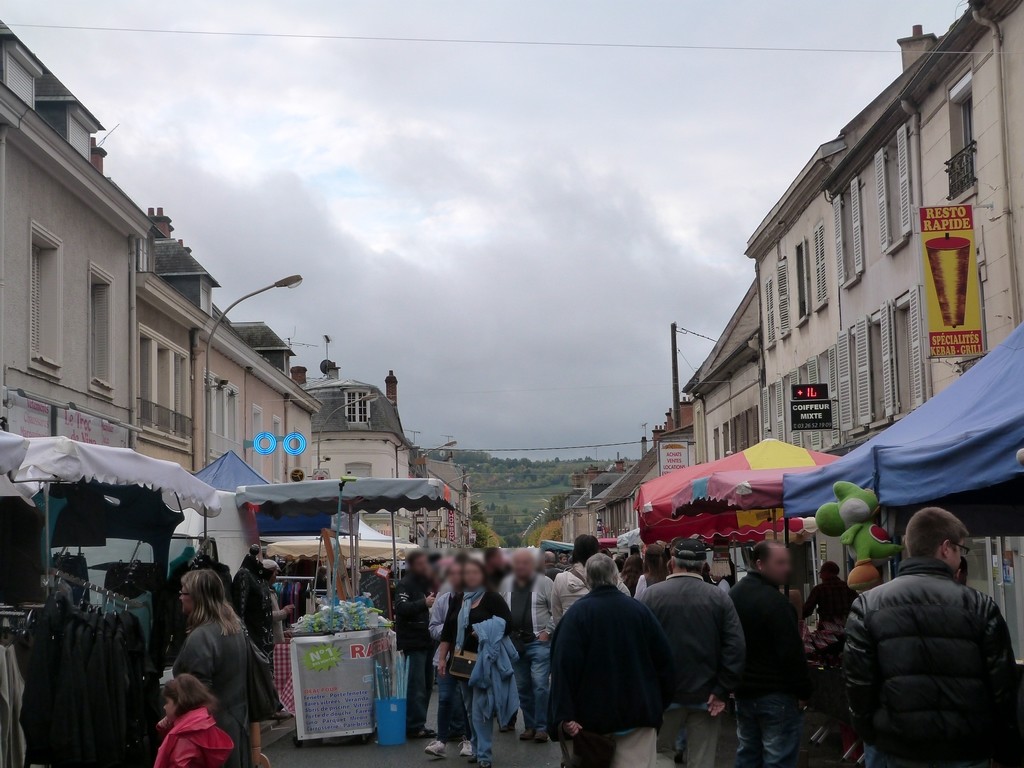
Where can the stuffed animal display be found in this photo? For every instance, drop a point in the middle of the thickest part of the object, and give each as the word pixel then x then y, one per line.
pixel 852 518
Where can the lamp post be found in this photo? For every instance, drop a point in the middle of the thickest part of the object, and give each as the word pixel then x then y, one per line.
pixel 285 282
pixel 320 432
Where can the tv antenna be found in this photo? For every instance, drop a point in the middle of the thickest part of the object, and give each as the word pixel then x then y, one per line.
pixel 327 346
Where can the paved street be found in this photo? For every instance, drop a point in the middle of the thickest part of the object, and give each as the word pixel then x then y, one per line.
pixel 509 752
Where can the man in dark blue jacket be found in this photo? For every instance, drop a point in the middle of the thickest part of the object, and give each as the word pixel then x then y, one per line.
pixel 413 600
pixel 612 670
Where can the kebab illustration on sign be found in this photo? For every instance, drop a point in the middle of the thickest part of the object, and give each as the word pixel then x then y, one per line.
pixel 852 518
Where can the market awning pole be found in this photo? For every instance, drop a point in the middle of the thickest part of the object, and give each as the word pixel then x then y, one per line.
pixel 353 529
pixel 394 551
pixel 46 536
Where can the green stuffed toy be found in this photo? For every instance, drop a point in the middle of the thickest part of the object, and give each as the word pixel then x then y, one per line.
pixel 851 517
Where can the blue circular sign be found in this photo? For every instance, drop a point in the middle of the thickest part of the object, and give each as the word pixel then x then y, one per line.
pixel 294 444
pixel 264 443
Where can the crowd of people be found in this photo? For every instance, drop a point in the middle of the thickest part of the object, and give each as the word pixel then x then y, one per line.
pixel 632 663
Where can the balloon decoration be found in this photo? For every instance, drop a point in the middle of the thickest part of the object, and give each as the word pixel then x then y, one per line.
pixel 852 517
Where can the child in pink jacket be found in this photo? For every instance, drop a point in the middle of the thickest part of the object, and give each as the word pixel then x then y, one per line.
pixel 191 738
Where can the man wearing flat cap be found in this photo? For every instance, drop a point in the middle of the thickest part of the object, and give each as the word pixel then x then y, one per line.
pixel 707 640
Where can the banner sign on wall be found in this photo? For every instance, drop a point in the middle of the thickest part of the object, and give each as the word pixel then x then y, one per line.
pixel 672 456
pixel 952 292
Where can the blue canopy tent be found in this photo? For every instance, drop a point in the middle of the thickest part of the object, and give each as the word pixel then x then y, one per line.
pixel 957 450
pixel 229 472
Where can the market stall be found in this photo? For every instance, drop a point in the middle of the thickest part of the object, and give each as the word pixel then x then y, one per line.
pixel 334 652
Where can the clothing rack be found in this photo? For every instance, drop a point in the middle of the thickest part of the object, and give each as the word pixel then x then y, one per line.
pixel 296 578
pixel 109 594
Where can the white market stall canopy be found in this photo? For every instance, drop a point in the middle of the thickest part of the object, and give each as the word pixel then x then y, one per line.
pixel 365 494
pixel 12 451
pixel 311 549
pixel 60 459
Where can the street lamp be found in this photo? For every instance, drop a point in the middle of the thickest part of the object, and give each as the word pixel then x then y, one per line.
pixel 285 282
pixel 320 432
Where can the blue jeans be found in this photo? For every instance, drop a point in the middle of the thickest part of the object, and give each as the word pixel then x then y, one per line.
pixel 421 681
pixel 532 672
pixel 482 727
pixel 769 730
pixel 873 758
pixel 451 710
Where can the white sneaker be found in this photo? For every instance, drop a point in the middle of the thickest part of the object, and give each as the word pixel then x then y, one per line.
pixel 466 748
pixel 436 748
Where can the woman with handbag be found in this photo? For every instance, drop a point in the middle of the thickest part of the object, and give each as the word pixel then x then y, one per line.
pixel 459 646
pixel 216 651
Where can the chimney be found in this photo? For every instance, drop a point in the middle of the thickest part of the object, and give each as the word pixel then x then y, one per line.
pixel 669 424
pixel 391 387
pixel 643 446
pixel 576 480
pixel 620 465
pixel 161 222
pixel 915 46
pixel 96 154
pixel 299 375
pixel 592 473
pixel 333 372
pixel 656 434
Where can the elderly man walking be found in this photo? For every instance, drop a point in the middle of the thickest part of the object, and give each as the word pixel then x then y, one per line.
pixel 929 666
pixel 612 673
pixel 707 638
pixel 528 594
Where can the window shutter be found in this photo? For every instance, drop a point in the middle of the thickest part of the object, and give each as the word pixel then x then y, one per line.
pixel 837 216
pixel 782 270
pixel 883 199
pixel 812 378
pixel 101 331
pixel 890 389
pixel 766 414
pixel 858 226
pixel 780 408
pixel 820 274
pixel 903 170
pixel 146 370
pixel 179 384
pixel 769 309
pixel 833 388
pixel 796 437
pixel 864 395
pixel 20 80
pixel 845 382
pixel 35 310
pixel 916 344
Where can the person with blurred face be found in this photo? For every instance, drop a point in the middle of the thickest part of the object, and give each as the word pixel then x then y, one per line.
pixel 495 566
pixel 528 594
pixel 776 680
pixel 451 710
pixel 413 600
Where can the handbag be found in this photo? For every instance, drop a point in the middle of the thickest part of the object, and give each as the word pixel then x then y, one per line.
pixel 592 750
pixel 463 663
pixel 260 691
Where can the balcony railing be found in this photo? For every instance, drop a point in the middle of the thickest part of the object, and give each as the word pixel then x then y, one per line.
pixel 162 418
pixel 960 169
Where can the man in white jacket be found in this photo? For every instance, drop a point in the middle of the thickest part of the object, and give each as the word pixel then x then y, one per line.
pixel 571 585
pixel 528 594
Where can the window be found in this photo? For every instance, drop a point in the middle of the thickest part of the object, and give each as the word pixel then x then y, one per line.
pixel 769 311
pixel 357 407
pixel 100 324
pixel 860 356
pixel 820 270
pixel 892 190
pixel 847 216
pixel 205 298
pixel 782 274
pixel 803 286
pixel 78 137
pixel 46 305
pixel 960 167
pixel 20 73
pixel 718 448
pixel 359 469
pixel 278 457
pixel 163 385
pixel 766 416
pixel 909 365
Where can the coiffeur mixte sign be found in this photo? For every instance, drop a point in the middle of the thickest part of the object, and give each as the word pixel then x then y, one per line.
pixel 952 294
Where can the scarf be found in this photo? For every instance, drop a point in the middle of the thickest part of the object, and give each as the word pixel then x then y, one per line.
pixel 468 598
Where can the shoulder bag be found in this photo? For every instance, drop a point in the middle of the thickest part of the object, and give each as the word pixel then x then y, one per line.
pixel 260 691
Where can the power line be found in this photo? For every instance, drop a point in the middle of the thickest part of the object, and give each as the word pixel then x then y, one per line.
pixel 460 41
pixel 556 448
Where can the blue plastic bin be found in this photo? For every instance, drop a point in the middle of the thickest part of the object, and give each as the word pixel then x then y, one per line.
pixel 390 722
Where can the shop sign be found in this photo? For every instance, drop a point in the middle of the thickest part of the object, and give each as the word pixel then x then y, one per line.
pixel 451 525
pixel 27 417
pixel 86 428
pixel 810 407
pixel 951 287
pixel 672 456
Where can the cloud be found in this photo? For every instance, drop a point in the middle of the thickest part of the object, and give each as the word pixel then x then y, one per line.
pixel 511 229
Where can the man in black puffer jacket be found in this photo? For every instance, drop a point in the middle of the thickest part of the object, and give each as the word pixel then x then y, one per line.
pixel 930 670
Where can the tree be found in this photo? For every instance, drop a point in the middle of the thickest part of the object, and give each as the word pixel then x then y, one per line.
pixel 550 531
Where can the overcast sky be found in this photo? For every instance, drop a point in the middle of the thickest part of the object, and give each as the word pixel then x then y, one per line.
pixel 510 228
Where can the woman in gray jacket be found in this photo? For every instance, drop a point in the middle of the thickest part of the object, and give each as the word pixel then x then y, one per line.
pixel 216 652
